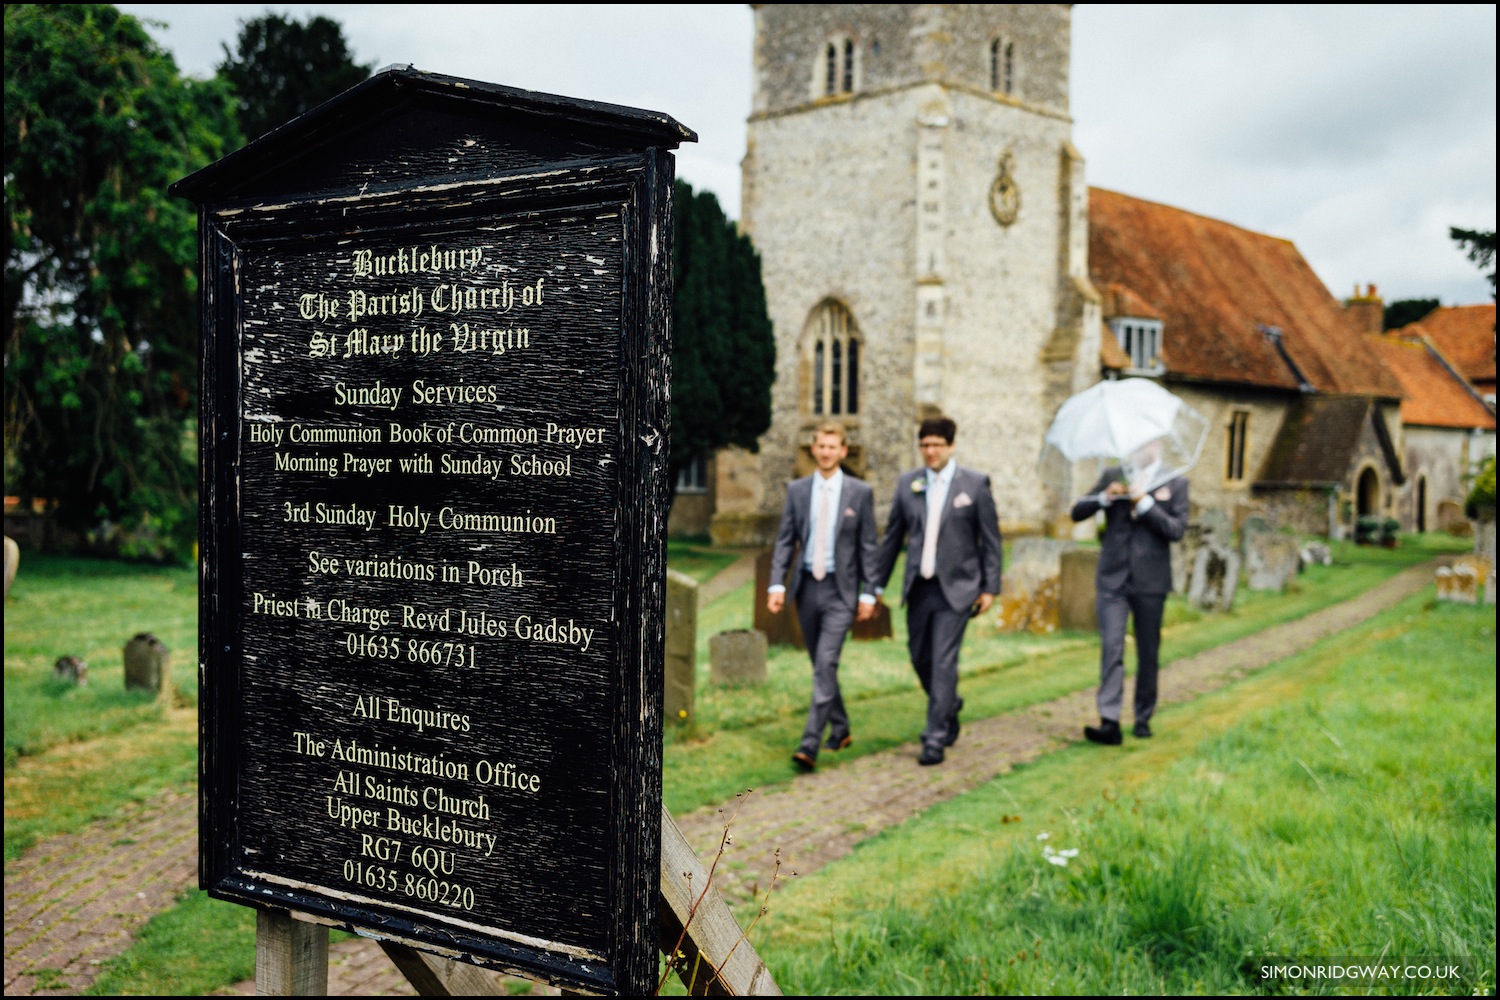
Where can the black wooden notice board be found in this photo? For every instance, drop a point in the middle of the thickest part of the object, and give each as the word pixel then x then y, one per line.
pixel 433 483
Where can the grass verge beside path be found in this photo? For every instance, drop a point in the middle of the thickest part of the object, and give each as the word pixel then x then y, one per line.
pixel 743 737
pixel 1340 804
pixel 75 754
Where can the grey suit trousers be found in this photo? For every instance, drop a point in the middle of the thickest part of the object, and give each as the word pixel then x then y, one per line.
pixel 825 619
pixel 1147 610
pixel 934 633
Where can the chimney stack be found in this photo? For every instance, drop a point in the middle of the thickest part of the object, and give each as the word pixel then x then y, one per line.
pixel 1367 310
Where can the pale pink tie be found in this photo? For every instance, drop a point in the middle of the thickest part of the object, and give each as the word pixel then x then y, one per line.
pixel 820 534
pixel 929 544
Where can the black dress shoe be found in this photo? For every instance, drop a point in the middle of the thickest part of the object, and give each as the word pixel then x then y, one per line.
pixel 1107 732
pixel 804 761
pixel 1142 730
pixel 930 756
pixel 839 743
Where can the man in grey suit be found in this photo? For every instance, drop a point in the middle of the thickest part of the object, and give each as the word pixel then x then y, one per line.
pixel 952 570
pixel 830 518
pixel 1143 515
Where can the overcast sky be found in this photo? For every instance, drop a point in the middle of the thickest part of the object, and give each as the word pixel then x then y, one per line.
pixel 1359 132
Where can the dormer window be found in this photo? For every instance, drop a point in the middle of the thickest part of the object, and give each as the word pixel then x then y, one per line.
pixel 1141 340
pixel 1003 66
pixel 838 67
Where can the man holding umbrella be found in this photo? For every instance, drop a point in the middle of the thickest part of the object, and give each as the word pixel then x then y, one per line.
pixel 1145 510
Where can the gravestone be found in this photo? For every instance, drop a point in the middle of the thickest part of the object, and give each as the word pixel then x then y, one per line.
pixel 784 628
pixel 1270 561
pixel 1315 554
pixel 1451 518
pixel 1215 578
pixel 147 664
pixel 1077 588
pixel 738 657
pixel 71 669
pixel 1028 599
pixel 1209 525
pixel 435 365
pixel 680 682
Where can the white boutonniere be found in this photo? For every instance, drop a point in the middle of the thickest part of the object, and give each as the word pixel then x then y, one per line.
pixel 919 485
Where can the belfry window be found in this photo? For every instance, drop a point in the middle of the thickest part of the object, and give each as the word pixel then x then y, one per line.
pixel 838 67
pixel 831 357
pixel 1003 66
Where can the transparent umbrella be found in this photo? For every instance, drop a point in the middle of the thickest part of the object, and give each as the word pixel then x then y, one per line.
pixel 1133 423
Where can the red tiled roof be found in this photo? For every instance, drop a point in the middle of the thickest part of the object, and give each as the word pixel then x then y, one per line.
pixel 1433 396
pixel 1465 335
pixel 1218 288
pixel 1318 441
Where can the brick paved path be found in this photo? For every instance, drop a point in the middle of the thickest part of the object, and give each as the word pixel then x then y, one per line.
pixel 76 900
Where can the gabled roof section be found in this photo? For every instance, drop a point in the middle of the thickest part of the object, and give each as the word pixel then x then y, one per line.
pixel 1319 440
pixel 1465 335
pixel 403 123
pixel 1435 395
pixel 1222 292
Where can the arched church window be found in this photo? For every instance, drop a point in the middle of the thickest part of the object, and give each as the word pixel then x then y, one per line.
pixel 1003 65
pixel 838 67
pixel 831 357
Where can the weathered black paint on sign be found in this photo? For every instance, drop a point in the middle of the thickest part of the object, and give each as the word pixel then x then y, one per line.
pixel 433 454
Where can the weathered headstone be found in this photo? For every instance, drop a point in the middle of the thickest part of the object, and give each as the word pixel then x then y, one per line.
pixel 435 362
pixel 1270 561
pixel 1450 518
pixel 1465 582
pixel 1028 599
pixel 1208 526
pixel 1316 554
pixel 147 664
pixel 1077 588
pixel 680 683
pixel 71 669
pixel 738 657
pixel 784 628
pixel 1215 578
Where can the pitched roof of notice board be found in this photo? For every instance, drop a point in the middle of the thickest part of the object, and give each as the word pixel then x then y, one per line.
pixel 404 90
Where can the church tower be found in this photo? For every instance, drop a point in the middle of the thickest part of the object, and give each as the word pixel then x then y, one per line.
pixel 921 214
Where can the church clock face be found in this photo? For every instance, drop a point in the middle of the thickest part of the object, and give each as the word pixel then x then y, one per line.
pixel 1005 195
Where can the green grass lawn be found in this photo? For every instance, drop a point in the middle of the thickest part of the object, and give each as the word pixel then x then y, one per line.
pixel 743 737
pixel 1338 804
pixel 74 755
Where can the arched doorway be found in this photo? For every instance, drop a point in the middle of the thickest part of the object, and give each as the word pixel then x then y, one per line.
pixel 1368 494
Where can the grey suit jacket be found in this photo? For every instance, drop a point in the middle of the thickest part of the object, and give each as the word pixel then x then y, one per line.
pixel 1136 554
pixel 853 544
pixel 968 545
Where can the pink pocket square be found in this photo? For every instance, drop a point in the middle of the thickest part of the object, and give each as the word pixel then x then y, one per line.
pixel 849 512
pixel 1163 494
pixel 962 500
